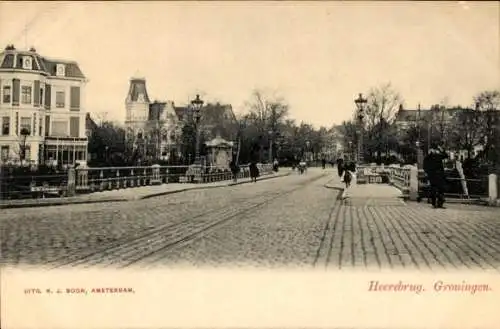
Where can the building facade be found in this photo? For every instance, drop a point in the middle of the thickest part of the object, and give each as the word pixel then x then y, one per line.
pixel 42 109
pixel 155 127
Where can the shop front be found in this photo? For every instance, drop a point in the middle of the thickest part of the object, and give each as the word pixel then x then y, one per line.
pixel 64 151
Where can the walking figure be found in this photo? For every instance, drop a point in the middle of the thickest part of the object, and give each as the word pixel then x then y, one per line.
pixel 275 165
pixel 340 166
pixel 235 170
pixel 434 169
pixel 254 171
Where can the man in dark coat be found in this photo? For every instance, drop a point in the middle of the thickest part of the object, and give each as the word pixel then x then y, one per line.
pixel 254 171
pixel 235 169
pixel 434 169
pixel 340 166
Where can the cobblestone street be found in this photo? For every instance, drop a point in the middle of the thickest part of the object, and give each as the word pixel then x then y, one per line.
pixel 287 221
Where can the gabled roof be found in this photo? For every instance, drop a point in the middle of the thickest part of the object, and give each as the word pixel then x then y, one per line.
pixel 181 112
pixel 89 122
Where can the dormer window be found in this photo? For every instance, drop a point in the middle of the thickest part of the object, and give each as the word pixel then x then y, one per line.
pixel 60 70
pixel 27 63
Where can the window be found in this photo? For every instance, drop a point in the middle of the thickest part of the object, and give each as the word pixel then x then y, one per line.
pixel 47 125
pixel 34 124
pixel 48 95
pixel 75 99
pixel 5 125
pixel 60 99
pixel 5 153
pixel 59 128
pixel 60 70
pixel 6 94
pixel 26 94
pixel 27 64
pixel 25 124
pixel 40 127
pixel 74 127
pixel 17 124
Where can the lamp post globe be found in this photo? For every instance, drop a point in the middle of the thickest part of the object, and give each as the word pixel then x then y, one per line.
pixel 196 105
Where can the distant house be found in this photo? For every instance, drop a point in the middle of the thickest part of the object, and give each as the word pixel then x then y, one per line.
pixel 407 118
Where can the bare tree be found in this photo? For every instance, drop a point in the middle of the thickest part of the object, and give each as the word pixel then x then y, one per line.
pixel 267 114
pixel 465 130
pixel 383 103
pixel 488 103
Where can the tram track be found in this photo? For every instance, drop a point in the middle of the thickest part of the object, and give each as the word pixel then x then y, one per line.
pixel 152 241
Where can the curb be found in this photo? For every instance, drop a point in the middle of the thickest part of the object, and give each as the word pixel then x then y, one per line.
pixel 59 202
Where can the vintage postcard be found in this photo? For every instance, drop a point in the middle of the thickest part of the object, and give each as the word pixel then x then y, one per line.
pixel 249 164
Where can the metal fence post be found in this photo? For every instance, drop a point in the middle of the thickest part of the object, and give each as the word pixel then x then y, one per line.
pixel 413 183
pixel 71 191
pixel 492 189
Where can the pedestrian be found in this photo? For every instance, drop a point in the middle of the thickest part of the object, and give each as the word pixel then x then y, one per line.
pixel 275 165
pixel 434 169
pixel 340 166
pixel 254 171
pixel 323 163
pixel 302 166
pixel 235 169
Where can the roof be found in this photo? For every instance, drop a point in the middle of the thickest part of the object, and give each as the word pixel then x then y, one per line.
pixel 11 58
pixel 427 114
pixel 137 88
pixel 181 111
pixel 89 122
pixel 219 141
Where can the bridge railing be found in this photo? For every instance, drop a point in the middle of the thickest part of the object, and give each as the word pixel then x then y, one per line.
pixel 111 178
pixel 413 183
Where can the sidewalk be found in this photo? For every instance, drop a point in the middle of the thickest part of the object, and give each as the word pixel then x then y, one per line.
pixel 129 194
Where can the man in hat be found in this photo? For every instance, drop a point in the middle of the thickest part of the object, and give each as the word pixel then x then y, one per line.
pixel 434 169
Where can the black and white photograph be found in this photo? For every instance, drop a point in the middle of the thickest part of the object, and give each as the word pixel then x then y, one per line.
pixel 316 136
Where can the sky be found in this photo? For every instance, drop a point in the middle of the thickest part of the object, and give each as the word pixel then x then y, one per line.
pixel 316 55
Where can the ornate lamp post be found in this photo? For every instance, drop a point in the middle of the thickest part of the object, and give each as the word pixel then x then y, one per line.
pixel 270 132
pixel 360 104
pixel 308 155
pixel 25 133
pixel 196 105
pixel 420 155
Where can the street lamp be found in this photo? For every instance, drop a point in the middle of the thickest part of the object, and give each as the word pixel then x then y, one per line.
pixel 308 156
pixel 420 155
pixel 270 132
pixel 25 133
pixel 360 104
pixel 196 105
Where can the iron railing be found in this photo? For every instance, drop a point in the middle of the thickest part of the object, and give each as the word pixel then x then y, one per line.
pixel 31 184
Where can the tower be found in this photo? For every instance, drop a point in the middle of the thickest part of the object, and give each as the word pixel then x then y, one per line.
pixel 137 109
